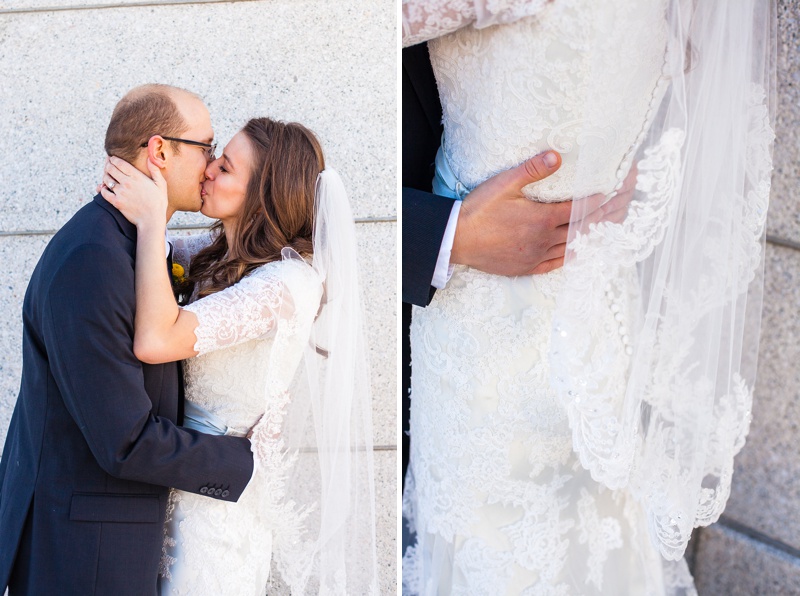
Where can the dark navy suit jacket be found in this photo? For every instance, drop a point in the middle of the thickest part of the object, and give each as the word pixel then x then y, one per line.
pixel 425 215
pixel 93 443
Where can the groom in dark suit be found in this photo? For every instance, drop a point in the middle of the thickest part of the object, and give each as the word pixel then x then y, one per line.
pixel 93 441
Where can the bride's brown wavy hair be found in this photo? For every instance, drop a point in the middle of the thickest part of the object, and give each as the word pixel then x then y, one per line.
pixel 278 209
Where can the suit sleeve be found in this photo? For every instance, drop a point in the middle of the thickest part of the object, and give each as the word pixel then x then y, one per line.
pixel 88 320
pixel 425 217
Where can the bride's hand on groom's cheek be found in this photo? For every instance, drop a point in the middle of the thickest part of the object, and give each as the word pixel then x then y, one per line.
pixel 141 199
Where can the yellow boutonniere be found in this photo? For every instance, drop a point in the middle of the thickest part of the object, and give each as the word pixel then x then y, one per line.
pixel 178 274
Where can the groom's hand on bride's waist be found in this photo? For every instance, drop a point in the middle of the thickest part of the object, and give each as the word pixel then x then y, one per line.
pixel 500 231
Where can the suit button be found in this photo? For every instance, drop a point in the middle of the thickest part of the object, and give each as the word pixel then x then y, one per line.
pixel 225 493
pixel 218 492
pixel 203 490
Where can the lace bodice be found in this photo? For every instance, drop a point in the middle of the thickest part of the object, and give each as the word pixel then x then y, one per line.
pixel 234 339
pixel 511 92
pixel 236 330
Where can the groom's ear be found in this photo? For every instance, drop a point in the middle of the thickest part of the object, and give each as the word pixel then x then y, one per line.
pixel 155 151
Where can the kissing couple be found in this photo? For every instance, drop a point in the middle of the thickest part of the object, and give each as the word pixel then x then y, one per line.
pixel 268 456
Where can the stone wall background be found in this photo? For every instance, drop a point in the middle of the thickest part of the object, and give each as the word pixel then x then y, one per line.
pixel 330 65
pixel 755 547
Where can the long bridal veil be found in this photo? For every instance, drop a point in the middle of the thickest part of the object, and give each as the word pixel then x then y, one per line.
pixel 320 442
pixel 655 336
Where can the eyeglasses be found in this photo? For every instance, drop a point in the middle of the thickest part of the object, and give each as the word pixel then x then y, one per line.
pixel 210 150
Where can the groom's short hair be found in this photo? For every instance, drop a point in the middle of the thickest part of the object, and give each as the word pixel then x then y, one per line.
pixel 143 112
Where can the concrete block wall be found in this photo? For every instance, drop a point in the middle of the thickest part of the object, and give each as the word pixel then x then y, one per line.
pixel 755 548
pixel 330 65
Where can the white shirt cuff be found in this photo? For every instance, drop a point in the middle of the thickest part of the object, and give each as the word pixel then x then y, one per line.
pixel 444 270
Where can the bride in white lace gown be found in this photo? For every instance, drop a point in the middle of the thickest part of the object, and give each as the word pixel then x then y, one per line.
pixel 499 496
pixel 249 325
pixel 235 339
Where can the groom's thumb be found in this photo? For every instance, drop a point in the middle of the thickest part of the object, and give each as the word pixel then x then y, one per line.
pixel 537 168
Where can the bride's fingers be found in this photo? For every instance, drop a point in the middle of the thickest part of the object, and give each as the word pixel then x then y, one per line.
pixel 116 173
pixel 110 182
pixel 156 175
pixel 123 167
pixel 108 195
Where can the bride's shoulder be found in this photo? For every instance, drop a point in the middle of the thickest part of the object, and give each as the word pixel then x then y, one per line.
pixel 293 280
pixel 292 270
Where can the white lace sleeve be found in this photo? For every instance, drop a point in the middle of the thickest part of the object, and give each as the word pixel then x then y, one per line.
pixel 427 19
pixel 244 311
pixel 185 247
